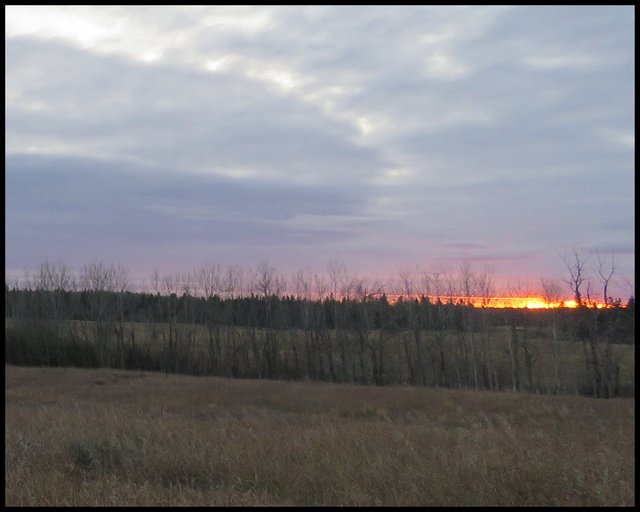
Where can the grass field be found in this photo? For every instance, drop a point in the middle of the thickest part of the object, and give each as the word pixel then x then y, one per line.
pixel 109 437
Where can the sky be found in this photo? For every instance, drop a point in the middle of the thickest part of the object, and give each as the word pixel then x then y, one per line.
pixel 383 137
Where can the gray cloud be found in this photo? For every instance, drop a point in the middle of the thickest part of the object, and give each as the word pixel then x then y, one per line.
pixel 193 119
pixel 60 204
pixel 382 135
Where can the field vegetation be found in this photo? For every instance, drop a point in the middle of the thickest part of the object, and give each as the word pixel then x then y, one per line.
pixel 358 338
pixel 112 437
pixel 214 392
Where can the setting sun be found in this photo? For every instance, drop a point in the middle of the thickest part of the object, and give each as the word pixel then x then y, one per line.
pixel 501 302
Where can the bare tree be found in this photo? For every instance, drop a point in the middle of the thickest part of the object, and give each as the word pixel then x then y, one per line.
pixel 281 282
pixel 210 281
pixel 29 281
pixel 451 290
pixel 121 285
pixel 50 282
pixel 171 285
pixel 426 283
pixel 336 275
pixel 347 284
pixel 551 291
pixel 431 288
pixel 575 262
pixel 121 279
pixel 188 283
pixel 234 281
pixel 361 292
pixel 155 281
pixel 552 295
pixel 190 289
pixel 605 271
pixel 519 289
pixel 435 279
pixel 266 286
pixel 630 282
pixel 586 326
pixel 319 333
pixel 320 286
pixel 266 277
pixel 153 322
pixel 417 367
pixel 340 284
pixel 407 283
pixel 485 289
pixel 303 286
pixel 99 279
pixel 54 277
pixel 467 280
pixel 485 286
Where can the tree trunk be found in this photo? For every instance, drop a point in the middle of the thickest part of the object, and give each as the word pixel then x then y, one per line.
pixel 513 349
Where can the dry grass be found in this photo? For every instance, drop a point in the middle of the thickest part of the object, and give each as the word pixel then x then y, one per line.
pixel 108 437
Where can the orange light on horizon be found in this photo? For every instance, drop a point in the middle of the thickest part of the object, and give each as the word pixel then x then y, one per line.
pixel 499 302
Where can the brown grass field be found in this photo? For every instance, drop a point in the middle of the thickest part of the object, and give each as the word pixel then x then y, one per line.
pixel 110 437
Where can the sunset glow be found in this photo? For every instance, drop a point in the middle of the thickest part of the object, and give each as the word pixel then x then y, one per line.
pixel 502 302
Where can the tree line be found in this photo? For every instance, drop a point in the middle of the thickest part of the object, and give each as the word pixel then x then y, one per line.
pixel 233 323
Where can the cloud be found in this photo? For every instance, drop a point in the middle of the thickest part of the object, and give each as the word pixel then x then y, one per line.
pixel 96 202
pixel 109 105
pixel 382 134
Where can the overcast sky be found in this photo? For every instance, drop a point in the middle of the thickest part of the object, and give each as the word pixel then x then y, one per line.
pixel 170 137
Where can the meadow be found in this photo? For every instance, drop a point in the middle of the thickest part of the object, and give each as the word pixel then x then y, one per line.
pixel 113 437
